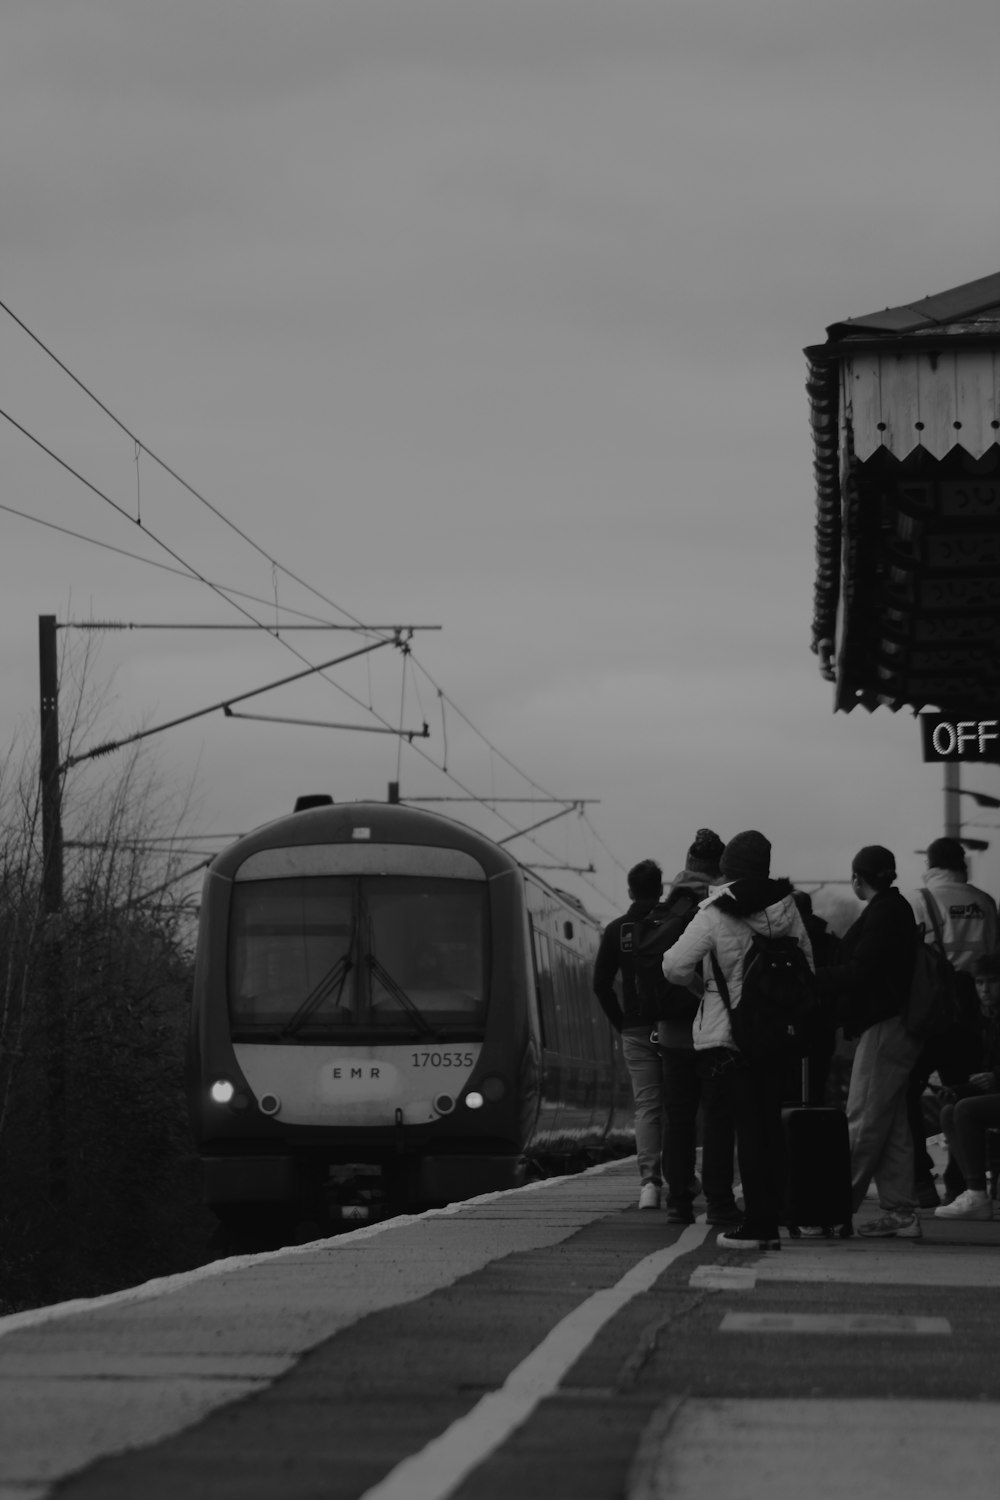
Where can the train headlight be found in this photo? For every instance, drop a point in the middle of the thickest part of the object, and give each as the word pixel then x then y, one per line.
pixel 222 1091
pixel 494 1088
pixel 474 1100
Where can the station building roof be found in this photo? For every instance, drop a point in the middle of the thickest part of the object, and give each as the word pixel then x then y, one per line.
pixel 905 413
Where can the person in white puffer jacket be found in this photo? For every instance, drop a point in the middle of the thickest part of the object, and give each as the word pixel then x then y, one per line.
pixel 723 927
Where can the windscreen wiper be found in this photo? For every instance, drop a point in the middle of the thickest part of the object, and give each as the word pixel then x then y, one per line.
pixel 331 983
pixel 398 994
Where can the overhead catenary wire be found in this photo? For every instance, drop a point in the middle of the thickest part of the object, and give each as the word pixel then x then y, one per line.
pixel 223 704
pixel 161 463
pixel 191 571
pixel 194 574
pixel 152 562
pixel 139 448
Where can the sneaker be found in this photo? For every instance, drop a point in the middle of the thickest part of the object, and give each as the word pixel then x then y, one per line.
pixel 927 1195
pixel 900 1226
pixel 743 1237
pixel 968 1205
pixel 649 1195
pixel 680 1213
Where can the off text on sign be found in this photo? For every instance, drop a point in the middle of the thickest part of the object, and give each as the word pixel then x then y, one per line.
pixel 960 739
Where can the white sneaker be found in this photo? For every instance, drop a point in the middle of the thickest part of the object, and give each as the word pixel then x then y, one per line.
pixel 968 1205
pixel 649 1195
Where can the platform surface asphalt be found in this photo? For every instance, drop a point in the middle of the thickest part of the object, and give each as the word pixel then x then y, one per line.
pixel 553 1342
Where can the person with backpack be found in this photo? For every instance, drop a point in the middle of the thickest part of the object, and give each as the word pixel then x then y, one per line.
pixel 634 1018
pixel 961 920
pixel 633 945
pixel 742 1062
pixel 870 987
pixel 683 1093
pixel 821 1042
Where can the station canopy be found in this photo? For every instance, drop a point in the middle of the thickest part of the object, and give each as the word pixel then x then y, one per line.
pixel 905 412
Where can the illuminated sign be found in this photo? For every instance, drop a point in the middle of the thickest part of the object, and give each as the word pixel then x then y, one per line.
pixel 946 738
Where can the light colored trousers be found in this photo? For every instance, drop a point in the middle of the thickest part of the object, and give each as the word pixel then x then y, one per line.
pixel 877 1121
pixel 645 1069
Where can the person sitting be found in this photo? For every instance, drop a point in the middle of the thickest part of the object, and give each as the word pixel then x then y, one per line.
pixel 976 1108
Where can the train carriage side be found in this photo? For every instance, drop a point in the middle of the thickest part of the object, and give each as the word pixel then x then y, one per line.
pixel 365 996
pixel 586 1098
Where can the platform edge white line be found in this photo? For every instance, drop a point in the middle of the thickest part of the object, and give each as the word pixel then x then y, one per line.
pixel 434 1472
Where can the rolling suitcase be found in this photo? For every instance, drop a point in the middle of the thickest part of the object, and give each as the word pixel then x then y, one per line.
pixel 818 1155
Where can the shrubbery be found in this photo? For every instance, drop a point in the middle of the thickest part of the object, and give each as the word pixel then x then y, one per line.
pixel 98 1184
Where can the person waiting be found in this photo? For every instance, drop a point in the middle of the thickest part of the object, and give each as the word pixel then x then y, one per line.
pixel 963 919
pixel 684 1093
pixel 976 1108
pixel 713 949
pixel 869 986
pixel 636 1024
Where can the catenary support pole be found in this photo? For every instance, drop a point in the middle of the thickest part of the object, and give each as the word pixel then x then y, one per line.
pixel 52 900
pixel 952 800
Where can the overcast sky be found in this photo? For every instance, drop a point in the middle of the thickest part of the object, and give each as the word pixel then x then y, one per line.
pixel 485 314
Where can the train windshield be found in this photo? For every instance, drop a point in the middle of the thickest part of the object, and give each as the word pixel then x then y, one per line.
pixel 316 957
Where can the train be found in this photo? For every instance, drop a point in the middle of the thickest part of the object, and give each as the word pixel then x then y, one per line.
pixel 390 1013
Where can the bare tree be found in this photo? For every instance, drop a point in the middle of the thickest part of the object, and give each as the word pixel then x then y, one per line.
pixel 95 1156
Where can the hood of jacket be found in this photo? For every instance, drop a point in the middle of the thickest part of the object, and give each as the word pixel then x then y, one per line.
pixel 765 905
pixel 692 880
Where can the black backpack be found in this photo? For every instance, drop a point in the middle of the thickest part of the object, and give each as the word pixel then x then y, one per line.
pixel 643 941
pixel 934 1003
pixel 778 1000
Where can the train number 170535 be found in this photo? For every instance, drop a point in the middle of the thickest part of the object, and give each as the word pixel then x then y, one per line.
pixel 442 1059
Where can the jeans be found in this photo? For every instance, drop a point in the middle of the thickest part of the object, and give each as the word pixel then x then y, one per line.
pixel 953 1056
pixel 877 1121
pixel 684 1095
pixel 753 1093
pixel 965 1125
pixel 645 1070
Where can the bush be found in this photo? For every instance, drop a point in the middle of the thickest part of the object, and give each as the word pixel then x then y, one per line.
pixel 98 1176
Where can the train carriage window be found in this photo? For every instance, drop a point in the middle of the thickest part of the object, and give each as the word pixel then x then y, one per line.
pixel 548 1007
pixel 567 993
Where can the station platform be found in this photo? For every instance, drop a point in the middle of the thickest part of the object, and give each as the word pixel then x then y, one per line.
pixel 552 1342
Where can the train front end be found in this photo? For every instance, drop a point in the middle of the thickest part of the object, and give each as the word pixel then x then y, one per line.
pixel 362 1039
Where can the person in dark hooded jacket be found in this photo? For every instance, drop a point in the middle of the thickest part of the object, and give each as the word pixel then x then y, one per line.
pixel 635 1023
pixel 723 928
pixel 870 986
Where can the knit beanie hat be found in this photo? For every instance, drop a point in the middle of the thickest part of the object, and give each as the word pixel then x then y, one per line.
pixel 875 864
pixel 748 854
pixel 946 854
pixel 986 966
pixel 704 854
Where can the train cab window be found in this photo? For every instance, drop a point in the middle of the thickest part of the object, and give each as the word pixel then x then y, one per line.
pixel 425 950
pixel 322 956
pixel 290 954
